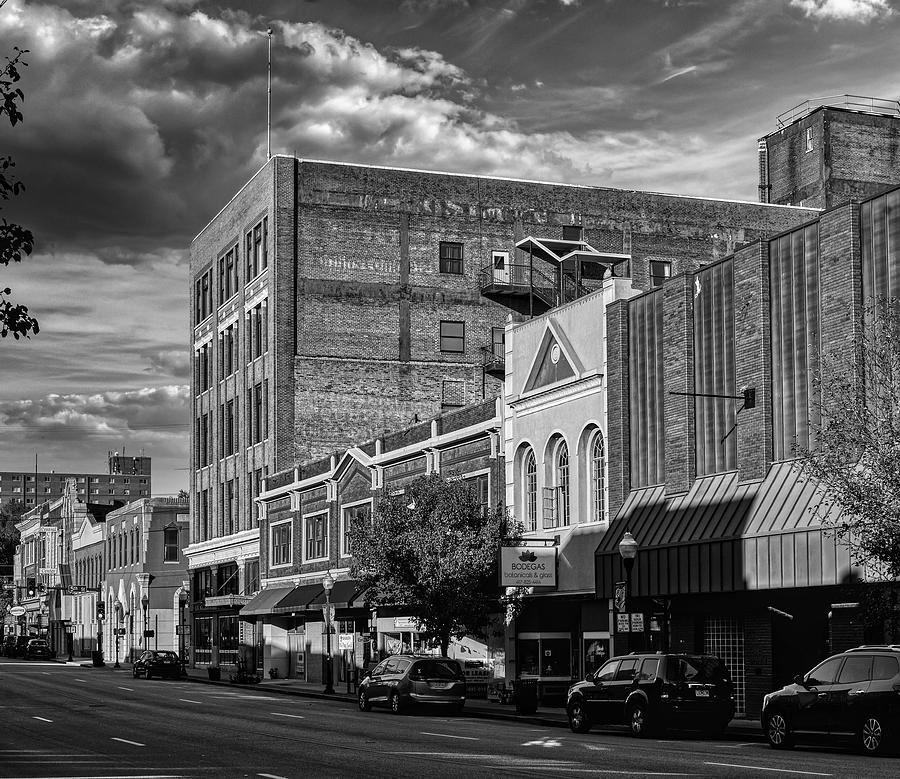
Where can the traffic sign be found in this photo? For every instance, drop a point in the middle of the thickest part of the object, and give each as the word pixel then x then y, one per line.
pixel 182 630
pixel 71 628
pixel 17 611
pixel 75 589
pixel 149 634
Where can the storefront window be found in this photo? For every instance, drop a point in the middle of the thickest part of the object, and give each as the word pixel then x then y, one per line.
pixel 229 640
pixel 596 653
pixel 203 640
pixel 545 656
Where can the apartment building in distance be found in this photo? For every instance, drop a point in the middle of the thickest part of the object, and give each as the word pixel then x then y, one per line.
pixel 127 478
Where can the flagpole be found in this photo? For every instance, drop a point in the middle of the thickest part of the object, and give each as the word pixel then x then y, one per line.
pixel 269 100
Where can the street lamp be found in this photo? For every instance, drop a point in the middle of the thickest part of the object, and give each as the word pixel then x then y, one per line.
pixel 328 584
pixel 628 549
pixel 145 604
pixel 118 628
pixel 182 604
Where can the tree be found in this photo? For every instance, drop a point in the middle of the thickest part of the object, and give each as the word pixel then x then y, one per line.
pixel 855 449
pixel 433 550
pixel 15 240
pixel 183 494
pixel 10 513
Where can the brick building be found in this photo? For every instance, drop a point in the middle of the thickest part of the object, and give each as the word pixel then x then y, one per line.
pixel 126 478
pixel 332 302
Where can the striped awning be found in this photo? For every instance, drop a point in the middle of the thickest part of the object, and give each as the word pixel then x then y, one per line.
pixel 724 535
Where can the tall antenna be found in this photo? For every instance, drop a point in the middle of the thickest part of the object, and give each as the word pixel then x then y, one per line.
pixel 269 100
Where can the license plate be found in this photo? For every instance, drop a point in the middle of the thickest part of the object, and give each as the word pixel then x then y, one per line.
pixel 702 693
pixel 439 685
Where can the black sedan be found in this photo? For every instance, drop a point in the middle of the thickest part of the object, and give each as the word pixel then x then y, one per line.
pixel 155 662
pixel 38 649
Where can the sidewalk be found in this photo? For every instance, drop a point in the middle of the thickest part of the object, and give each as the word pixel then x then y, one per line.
pixel 545 715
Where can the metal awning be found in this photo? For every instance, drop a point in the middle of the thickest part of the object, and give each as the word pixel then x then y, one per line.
pixel 556 251
pixel 724 536
pixel 343 594
pixel 296 599
pixel 264 600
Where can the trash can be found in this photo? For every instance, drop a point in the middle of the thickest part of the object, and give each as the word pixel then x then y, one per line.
pixel 97 659
pixel 215 674
pixel 526 694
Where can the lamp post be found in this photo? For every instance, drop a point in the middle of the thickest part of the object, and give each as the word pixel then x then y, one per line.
pixel 145 604
pixel 628 549
pixel 182 604
pixel 327 584
pixel 118 628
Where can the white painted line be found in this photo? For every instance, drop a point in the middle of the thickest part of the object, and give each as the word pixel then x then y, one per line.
pixel 447 735
pixel 272 776
pixel 279 714
pixel 81 680
pixel 126 688
pixel 187 700
pixel 762 768
pixel 106 776
pixel 43 719
pixel 126 741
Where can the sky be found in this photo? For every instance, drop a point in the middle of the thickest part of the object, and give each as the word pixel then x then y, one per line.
pixel 141 119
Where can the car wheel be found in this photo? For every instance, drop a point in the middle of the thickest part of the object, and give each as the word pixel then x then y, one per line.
pixel 637 719
pixel 394 703
pixel 778 731
pixel 364 704
pixel 579 721
pixel 871 735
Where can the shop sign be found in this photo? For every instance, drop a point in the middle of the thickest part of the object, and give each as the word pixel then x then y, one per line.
pixel 528 566
pixel 623 624
pixel 406 623
pixel 17 611
pixel 637 623
pixel 619 596
pixel 345 642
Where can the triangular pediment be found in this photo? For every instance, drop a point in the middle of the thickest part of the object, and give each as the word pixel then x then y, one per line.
pixel 555 360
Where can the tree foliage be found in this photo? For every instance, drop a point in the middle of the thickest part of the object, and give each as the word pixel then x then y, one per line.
pixel 855 452
pixel 16 241
pixel 10 513
pixel 433 551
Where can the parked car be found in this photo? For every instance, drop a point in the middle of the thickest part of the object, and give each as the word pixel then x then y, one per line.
pixel 38 649
pixel 854 696
pixel 21 645
pixel 404 680
pixel 650 692
pixel 155 662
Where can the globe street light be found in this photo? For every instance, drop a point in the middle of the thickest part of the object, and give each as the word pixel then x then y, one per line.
pixel 628 549
pixel 145 603
pixel 328 584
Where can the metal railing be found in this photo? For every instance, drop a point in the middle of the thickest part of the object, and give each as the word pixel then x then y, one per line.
pixel 520 278
pixel 869 105
pixel 494 357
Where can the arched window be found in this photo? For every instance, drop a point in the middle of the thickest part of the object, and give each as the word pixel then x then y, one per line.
pixel 562 485
pixel 598 479
pixel 531 492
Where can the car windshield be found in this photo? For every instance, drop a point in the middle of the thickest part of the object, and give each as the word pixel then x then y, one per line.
pixel 38 642
pixel 697 669
pixel 439 669
pixel 166 656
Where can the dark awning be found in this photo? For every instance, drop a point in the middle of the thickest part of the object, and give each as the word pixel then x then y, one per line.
pixel 264 600
pixel 723 535
pixel 297 598
pixel 342 594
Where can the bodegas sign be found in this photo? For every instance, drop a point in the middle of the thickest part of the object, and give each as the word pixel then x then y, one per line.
pixel 528 566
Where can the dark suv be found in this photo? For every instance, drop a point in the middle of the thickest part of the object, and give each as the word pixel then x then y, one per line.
pixel 855 695
pixel 652 692
pixel 402 680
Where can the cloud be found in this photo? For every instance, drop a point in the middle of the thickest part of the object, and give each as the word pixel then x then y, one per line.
pixel 844 10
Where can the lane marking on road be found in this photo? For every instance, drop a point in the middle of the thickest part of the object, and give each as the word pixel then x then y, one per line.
pixel 126 741
pixel 188 700
pixel 43 719
pixel 272 776
pixel 126 688
pixel 81 680
pixel 279 714
pixel 735 746
pixel 448 735
pixel 763 768
pixel 105 776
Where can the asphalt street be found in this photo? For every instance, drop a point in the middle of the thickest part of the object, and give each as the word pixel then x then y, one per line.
pixel 69 721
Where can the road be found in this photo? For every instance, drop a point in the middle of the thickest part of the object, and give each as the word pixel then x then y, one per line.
pixel 67 721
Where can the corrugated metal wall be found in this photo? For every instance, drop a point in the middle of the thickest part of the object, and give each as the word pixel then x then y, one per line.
pixel 714 368
pixel 794 306
pixel 645 368
pixel 880 245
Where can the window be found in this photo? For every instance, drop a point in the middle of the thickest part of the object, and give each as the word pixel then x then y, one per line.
pixel 809 138
pixel 280 545
pixel 251 577
pixel 257 249
pixel 203 368
pixel 203 297
pixel 228 351
pixel 229 506
pixel 453 393
pixel 825 672
pixel 660 270
pixel 258 335
pixel 228 274
pixel 885 667
pixel 227 583
pixel 598 479
pixel 170 544
pixel 453 337
pixel 351 516
pixel 562 485
pixel 256 414
pixel 255 488
pixel 572 232
pixel 626 670
pixel 531 492
pixel 479 486
pixel 451 257
pixel 204 441
pixel 316 531
pixel 229 429
pixel 856 669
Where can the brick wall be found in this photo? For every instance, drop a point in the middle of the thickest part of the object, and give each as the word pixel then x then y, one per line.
pixel 617 405
pixel 678 376
pixel 758 661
